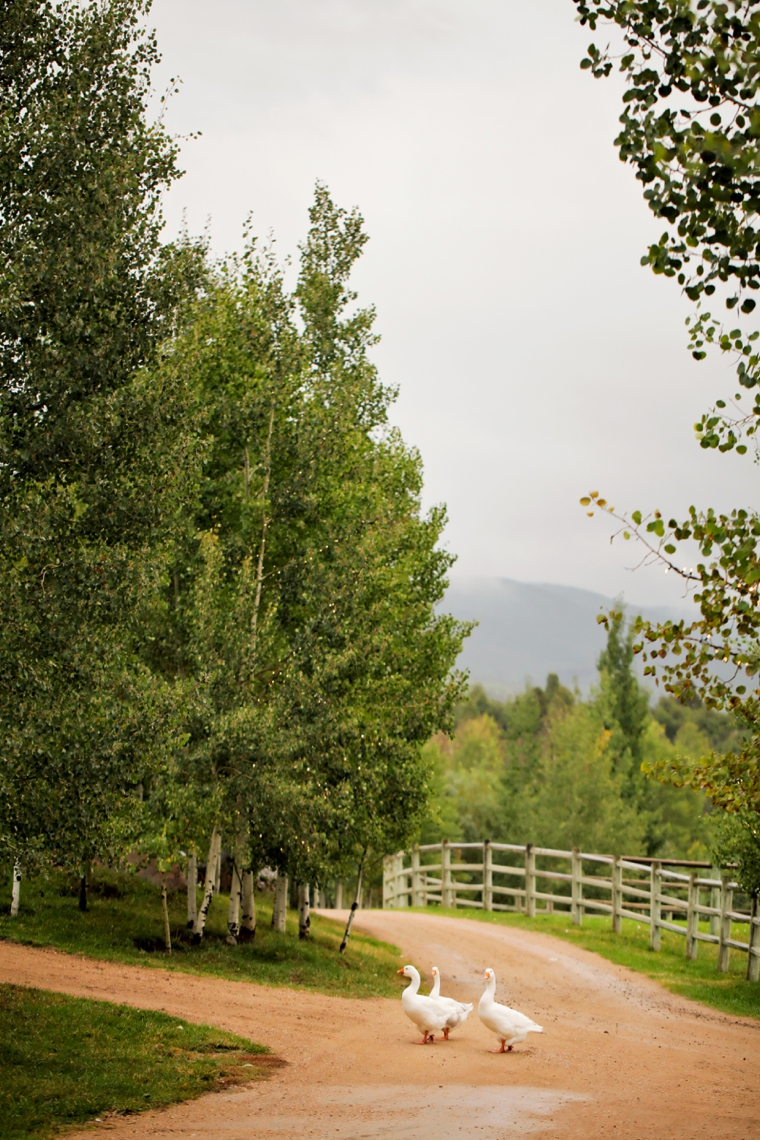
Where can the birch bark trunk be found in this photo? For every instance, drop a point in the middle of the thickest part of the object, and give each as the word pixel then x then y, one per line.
pixel 354 904
pixel 167 927
pixel 192 891
pixel 16 888
pixel 304 921
pixel 233 912
pixel 248 922
pixel 208 889
pixel 279 914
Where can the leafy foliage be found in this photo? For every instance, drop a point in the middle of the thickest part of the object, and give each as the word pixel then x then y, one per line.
pixel 690 128
pixel 551 768
pixel 92 456
pixel 219 585
pixel 304 593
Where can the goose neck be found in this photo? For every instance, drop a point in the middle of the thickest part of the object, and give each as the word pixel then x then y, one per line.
pixel 415 982
pixel 490 990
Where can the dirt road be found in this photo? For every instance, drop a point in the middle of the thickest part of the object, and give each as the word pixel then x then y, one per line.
pixel 619 1057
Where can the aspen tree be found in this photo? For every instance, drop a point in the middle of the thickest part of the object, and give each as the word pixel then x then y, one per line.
pixel 248 920
pixel 304 920
pixel 15 888
pixel 215 846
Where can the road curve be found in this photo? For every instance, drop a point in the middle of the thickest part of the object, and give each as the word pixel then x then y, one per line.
pixel 620 1057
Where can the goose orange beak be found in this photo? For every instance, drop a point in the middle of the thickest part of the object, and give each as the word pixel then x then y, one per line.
pixel 400 971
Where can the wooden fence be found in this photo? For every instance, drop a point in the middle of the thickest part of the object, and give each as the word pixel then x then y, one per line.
pixel 540 880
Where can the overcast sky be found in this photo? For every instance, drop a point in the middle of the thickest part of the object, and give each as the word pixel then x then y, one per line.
pixel 536 359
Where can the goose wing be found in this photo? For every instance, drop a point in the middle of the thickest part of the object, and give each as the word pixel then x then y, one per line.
pixel 458 1013
pixel 425 1012
pixel 506 1020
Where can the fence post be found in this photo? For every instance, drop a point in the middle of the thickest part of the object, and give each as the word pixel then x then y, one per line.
pixel 487 875
pixel 577 887
pixel 655 890
pixel 726 904
pixel 401 883
pixel 692 919
pixel 448 898
pixel 388 868
pixel 616 894
pixel 715 902
pixel 416 878
pixel 753 961
pixel 530 881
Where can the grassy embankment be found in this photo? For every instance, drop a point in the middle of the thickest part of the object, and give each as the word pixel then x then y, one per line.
pixel 65 1061
pixel 124 924
pixel 698 980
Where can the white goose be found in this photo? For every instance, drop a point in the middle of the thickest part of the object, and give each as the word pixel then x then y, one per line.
pixel 509 1026
pixel 426 1013
pixel 458 1011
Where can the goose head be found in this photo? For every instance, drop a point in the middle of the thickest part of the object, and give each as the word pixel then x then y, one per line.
pixel 490 989
pixel 434 971
pixel 410 972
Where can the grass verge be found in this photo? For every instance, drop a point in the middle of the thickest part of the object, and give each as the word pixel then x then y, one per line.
pixel 65 1061
pixel 699 980
pixel 124 924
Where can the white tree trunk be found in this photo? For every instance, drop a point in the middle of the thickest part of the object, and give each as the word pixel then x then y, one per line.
pixel 215 847
pixel 16 889
pixel 279 914
pixel 233 911
pixel 248 921
pixel 304 922
pixel 354 904
pixel 218 870
pixel 192 891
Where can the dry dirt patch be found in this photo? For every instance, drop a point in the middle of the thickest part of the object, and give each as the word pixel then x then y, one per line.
pixel 620 1057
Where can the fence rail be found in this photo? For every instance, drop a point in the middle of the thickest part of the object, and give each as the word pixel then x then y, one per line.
pixel 645 890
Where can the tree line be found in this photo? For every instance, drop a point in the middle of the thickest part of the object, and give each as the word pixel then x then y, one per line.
pixel 566 771
pixel 217 580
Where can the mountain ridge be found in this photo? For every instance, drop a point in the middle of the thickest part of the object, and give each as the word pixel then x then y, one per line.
pixel 529 629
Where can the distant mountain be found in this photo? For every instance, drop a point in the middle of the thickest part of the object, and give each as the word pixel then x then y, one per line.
pixel 527 630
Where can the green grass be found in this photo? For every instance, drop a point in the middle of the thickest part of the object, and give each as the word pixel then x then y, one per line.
pixel 699 980
pixel 124 924
pixel 65 1061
